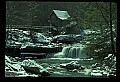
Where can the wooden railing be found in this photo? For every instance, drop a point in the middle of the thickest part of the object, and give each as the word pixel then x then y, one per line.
pixel 28 27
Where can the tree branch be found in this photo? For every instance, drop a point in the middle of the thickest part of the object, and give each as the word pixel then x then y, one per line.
pixel 102 14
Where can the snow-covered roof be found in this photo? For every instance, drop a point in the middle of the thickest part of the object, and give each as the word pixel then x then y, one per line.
pixel 63 15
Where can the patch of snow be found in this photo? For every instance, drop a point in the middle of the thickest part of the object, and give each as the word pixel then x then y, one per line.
pixel 96 74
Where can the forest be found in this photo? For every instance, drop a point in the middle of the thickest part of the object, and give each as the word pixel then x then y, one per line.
pixel 95 22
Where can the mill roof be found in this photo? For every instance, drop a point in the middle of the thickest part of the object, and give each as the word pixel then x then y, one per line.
pixel 63 15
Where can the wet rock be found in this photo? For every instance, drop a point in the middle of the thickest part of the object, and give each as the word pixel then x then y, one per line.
pixel 70 66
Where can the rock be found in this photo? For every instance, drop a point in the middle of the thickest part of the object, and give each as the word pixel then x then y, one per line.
pixel 59 55
pixel 63 65
pixel 13 67
pixel 82 67
pixel 96 73
pixel 44 64
pixel 105 74
pixel 32 67
pixel 27 76
pixel 74 70
pixel 7 59
pixel 32 70
pixel 114 59
pixel 31 63
pixel 48 68
pixel 109 55
pixel 44 72
pixel 111 75
pixel 112 72
pixel 71 65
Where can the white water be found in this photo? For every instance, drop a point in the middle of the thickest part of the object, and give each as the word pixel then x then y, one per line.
pixel 73 52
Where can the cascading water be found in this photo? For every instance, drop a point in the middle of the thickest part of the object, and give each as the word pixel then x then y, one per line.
pixel 65 51
pixel 78 52
pixel 73 52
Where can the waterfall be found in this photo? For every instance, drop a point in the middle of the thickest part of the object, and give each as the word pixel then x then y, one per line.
pixel 65 51
pixel 73 52
pixel 78 52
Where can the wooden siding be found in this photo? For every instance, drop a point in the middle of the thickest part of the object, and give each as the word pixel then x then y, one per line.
pixel 54 20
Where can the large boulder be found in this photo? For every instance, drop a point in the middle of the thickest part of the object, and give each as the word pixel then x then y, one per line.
pixel 31 66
